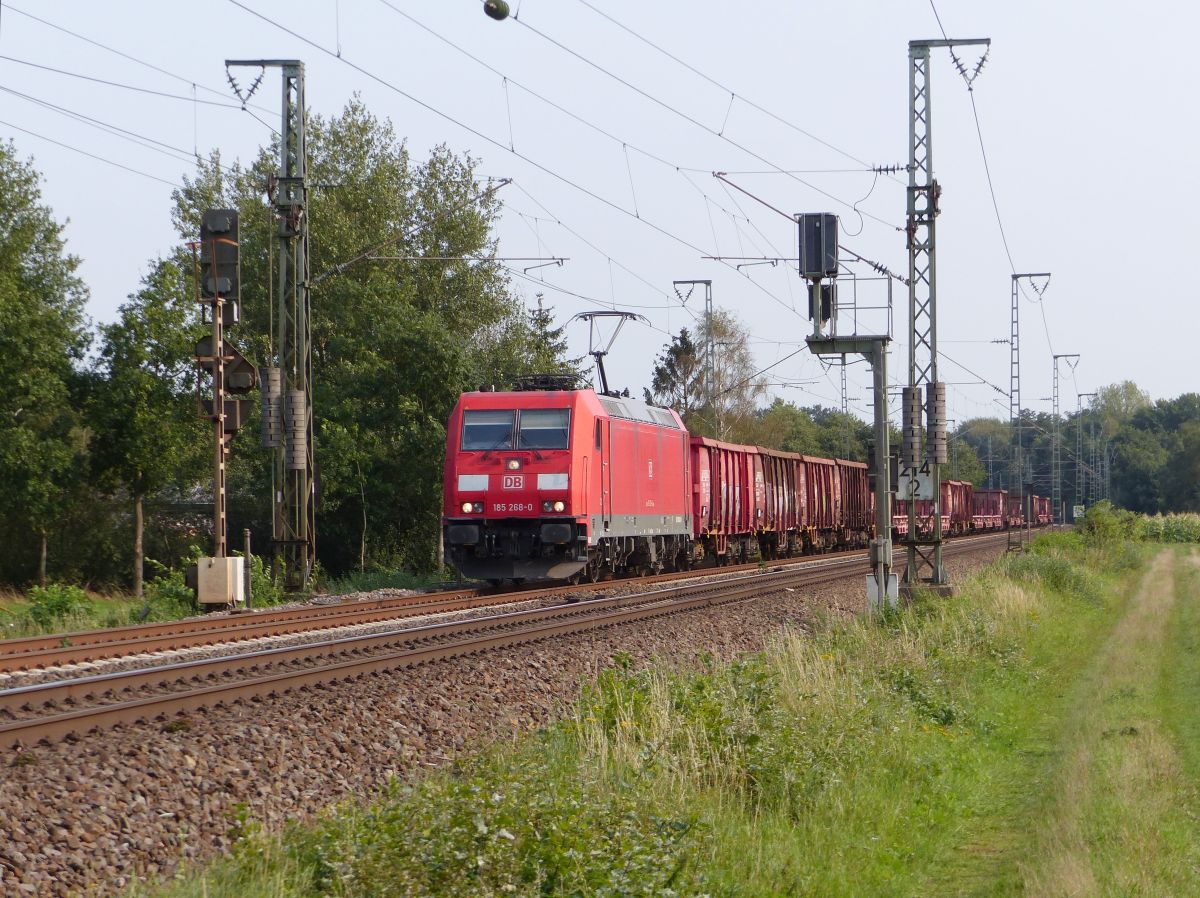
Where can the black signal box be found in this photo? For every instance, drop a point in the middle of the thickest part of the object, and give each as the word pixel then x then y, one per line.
pixel 818 244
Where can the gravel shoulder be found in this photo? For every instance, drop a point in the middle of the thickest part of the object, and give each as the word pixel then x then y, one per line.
pixel 140 800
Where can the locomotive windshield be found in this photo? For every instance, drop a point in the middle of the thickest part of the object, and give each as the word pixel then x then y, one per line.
pixel 487 429
pixel 544 428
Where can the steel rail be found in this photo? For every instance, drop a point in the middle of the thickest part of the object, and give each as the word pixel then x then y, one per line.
pixel 503 631
pixel 15 649
pixel 74 689
pixel 36 652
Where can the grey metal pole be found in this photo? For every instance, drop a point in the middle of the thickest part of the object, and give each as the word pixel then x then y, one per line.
pixel 883 460
pixel 247 566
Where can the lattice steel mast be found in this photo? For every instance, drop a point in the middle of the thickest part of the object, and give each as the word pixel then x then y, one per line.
pixel 287 390
pixel 924 553
pixel 1080 472
pixel 1016 486
pixel 1056 456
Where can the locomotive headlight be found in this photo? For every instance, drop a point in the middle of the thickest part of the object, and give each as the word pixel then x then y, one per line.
pixel 466 507
pixel 513 464
pixel 477 508
pixel 560 505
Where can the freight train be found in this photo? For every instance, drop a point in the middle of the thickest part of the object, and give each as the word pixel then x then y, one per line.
pixel 568 484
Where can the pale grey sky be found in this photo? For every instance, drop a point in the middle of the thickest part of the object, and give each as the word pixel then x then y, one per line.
pixel 1085 109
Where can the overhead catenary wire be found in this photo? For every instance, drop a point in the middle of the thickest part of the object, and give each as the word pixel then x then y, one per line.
pixel 877 266
pixel 142 62
pixel 499 144
pixel 82 152
pixel 987 170
pixel 558 221
pixel 697 123
pixel 732 93
pixel 625 145
pixel 118 84
pixel 169 150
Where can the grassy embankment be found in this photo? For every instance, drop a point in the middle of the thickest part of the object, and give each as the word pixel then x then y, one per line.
pixel 63 608
pixel 1037 734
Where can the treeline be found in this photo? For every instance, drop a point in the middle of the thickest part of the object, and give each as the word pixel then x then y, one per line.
pixel 1143 455
pixel 103 455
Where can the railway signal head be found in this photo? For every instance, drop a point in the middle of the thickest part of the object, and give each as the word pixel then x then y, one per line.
pixel 220 263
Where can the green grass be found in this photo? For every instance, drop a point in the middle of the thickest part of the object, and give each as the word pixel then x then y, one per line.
pixel 64 608
pixel 18 616
pixel 921 754
pixel 1180 685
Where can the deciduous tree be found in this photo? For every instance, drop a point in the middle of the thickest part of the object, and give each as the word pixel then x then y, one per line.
pixel 43 336
pixel 142 410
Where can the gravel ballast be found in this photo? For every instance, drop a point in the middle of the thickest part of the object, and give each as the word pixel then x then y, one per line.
pixel 85 818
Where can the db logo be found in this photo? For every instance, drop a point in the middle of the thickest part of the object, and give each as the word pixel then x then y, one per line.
pixel 513 482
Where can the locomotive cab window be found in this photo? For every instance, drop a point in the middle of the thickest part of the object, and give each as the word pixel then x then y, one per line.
pixel 487 429
pixel 544 428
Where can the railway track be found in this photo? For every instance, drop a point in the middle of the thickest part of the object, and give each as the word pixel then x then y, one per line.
pixel 78 706
pixel 94 645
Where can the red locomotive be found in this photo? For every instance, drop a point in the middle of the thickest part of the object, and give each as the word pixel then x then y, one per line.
pixel 568 484
pixel 560 483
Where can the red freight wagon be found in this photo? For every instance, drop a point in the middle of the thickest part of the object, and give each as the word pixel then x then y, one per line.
pixel 988 509
pixel 564 483
pixel 786 503
pixel 1043 508
pixel 957 506
pixel 724 503
pixel 924 516
pixel 1016 511
pixel 748 497
pixel 956 511
pixel 857 506
pixel 824 489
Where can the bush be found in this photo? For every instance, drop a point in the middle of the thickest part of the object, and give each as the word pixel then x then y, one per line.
pixel 1104 524
pixel 53 604
pixel 1057 541
pixel 263 588
pixel 167 595
pixel 1058 572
